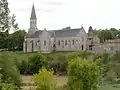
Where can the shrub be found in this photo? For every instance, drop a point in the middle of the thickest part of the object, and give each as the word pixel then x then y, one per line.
pixel 36 62
pixel 45 80
pixel 9 72
pixel 59 67
pixel 4 86
pixel 83 74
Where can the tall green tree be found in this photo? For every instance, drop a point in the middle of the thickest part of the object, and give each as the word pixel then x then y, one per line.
pixel 16 40
pixel 14 25
pixel 4 15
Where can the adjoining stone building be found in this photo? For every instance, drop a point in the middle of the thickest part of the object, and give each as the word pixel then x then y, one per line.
pixel 109 46
pixel 66 39
pixel 92 39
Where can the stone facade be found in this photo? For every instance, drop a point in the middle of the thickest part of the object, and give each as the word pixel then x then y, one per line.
pixel 92 39
pixel 109 46
pixel 47 41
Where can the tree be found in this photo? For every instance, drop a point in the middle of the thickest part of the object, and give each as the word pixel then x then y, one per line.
pixel 16 40
pixel 106 35
pixel 14 25
pixel 4 15
pixel 83 74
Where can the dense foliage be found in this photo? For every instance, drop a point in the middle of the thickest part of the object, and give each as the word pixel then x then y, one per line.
pixel 45 80
pixel 107 34
pixel 7 67
pixel 83 75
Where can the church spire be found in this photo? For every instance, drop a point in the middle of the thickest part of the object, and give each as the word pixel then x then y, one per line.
pixel 33 14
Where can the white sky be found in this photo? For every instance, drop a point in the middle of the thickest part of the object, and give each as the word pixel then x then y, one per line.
pixel 57 14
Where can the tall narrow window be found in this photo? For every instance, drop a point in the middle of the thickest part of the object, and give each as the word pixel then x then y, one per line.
pixel 44 42
pixel 82 47
pixel 59 42
pixel 32 45
pixel 62 43
pixel 73 42
pixel 82 39
pixel 36 43
pixel 65 42
pixel 69 44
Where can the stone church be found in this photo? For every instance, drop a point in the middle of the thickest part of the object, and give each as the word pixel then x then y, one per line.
pixel 47 41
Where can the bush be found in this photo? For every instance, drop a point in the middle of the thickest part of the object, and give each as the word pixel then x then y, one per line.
pixel 83 74
pixel 4 86
pixel 8 71
pixel 45 80
pixel 59 67
pixel 33 65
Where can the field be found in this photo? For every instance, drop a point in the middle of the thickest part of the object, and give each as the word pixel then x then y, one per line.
pixel 61 81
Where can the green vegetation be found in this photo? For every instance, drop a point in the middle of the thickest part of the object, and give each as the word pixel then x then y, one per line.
pixel 31 63
pixel 83 74
pixel 107 34
pixel 45 80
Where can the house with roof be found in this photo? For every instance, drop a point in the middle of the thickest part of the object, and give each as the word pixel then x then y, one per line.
pixel 65 39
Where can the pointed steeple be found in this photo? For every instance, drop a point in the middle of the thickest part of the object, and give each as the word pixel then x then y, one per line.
pixel 33 14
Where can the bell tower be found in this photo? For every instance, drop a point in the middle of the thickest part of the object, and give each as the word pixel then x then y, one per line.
pixel 33 21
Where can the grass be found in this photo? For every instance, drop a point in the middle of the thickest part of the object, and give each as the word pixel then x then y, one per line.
pixel 108 87
pixel 61 81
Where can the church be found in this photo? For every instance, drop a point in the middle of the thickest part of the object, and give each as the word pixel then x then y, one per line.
pixel 47 41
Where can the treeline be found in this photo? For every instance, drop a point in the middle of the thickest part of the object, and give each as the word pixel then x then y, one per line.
pixel 12 42
pixel 107 34
pixel 7 23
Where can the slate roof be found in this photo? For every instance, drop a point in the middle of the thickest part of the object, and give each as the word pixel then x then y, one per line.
pixel 57 33
pixel 33 14
pixel 67 32
pixel 36 34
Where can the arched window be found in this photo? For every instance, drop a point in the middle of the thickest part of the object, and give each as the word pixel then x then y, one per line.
pixel 32 48
pixel 73 42
pixel 65 42
pixel 44 42
pixel 82 39
pixel 59 42
pixel 69 44
pixel 82 47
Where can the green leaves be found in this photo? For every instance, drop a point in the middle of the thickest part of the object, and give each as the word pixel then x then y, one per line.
pixel 83 74
pixel 45 80
pixel 9 72
pixel 4 15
